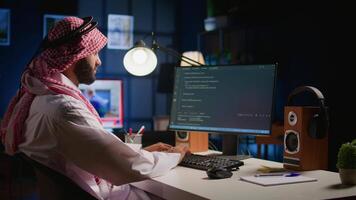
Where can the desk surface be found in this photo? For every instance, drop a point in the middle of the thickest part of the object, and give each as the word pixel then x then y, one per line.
pixel 185 183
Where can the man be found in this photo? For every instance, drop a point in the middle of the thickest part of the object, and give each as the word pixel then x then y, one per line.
pixel 51 121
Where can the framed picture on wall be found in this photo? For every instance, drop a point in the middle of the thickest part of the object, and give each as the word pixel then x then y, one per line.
pixel 49 21
pixel 107 98
pixel 120 31
pixel 4 27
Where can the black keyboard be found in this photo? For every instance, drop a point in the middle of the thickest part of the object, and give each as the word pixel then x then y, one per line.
pixel 205 162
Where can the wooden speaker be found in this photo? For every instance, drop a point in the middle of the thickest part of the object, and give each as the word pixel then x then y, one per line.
pixel 195 141
pixel 302 151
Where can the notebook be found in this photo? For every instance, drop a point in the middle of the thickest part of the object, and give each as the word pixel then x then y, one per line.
pixel 276 180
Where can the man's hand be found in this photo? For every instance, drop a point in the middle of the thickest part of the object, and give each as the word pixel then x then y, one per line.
pixel 182 149
pixel 158 147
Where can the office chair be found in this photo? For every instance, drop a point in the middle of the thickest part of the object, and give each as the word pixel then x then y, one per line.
pixel 53 185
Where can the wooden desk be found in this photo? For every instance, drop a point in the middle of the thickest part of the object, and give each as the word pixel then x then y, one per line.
pixel 185 183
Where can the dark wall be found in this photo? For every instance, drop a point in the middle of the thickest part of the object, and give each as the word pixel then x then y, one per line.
pixel 142 100
pixel 338 75
pixel 190 21
pixel 26 34
pixel 313 48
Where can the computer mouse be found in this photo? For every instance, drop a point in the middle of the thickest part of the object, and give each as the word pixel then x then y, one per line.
pixel 218 173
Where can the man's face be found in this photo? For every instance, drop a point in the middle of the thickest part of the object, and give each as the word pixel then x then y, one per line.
pixel 85 69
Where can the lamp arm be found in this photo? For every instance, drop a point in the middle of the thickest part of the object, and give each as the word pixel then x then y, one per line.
pixel 176 54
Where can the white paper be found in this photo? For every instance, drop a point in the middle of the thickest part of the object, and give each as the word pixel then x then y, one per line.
pixel 276 180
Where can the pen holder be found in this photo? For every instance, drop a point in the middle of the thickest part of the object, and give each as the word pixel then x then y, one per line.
pixel 133 138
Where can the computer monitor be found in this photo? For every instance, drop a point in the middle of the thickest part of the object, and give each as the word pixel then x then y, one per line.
pixel 233 99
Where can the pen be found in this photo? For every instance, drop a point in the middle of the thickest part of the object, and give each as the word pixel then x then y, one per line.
pixel 291 174
pixel 141 130
pixel 128 135
pixel 270 174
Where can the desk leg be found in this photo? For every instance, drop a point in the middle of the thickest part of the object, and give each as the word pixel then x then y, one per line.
pixel 259 150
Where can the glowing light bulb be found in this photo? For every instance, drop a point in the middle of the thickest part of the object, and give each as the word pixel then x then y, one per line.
pixel 139 56
pixel 140 61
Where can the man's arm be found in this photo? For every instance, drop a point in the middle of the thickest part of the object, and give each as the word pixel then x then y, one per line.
pixel 82 140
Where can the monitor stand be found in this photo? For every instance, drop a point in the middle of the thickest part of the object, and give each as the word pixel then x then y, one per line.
pixel 230 144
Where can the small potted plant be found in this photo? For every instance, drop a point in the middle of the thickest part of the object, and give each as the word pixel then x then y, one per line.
pixel 346 163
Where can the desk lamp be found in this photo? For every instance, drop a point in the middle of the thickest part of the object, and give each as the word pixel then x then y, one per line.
pixel 141 60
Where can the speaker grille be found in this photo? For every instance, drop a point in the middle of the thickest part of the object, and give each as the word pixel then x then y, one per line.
pixel 291 142
pixel 182 136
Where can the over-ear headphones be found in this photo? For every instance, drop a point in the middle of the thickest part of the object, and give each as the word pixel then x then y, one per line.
pixel 86 27
pixel 319 124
